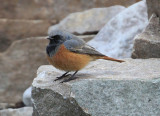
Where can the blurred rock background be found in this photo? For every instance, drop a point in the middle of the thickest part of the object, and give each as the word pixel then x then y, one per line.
pixel 24 25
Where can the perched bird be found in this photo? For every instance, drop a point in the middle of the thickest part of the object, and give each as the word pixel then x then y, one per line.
pixel 67 52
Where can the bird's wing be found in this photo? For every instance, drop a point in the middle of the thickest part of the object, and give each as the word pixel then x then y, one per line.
pixel 77 45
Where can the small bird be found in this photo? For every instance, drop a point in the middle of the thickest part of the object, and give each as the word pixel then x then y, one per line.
pixel 67 52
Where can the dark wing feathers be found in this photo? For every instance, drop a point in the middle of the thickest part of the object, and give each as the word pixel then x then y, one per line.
pixel 78 46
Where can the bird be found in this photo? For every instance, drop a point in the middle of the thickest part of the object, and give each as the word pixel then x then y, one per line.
pixel 67 52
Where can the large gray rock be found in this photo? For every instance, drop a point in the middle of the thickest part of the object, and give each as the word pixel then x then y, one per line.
pixel 147 44
pixel 18 67
pixel 52 9
pixel 88 21
pixel 12 30
pixel 104 88
pixel 116 38
pixel 25 111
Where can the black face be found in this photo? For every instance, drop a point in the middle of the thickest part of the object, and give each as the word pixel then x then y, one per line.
pixel 55 42
pixel 57 39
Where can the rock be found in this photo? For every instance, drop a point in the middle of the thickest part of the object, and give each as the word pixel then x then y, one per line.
pixel 153 7
pixel 116 38
pixel 18 67
pixel 86 22
pixel 147 44
pixel 25 111
pixel 86 38
pixel 6 105
pixel 27 97
pixel 11 30
pixel 11 105
pixel 103 88
pixel 52 9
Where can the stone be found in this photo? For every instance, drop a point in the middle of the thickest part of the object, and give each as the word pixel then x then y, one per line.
pixel 27 97
pixel 153 7
pixel 116 38
pixel 25 111
pixel 103 88
pixel 52 9
pixel 147 44
pixel 88 21
pixel 18 66
pixel 86 38
pixel 11 105
pixel 11 30
pixel 6 105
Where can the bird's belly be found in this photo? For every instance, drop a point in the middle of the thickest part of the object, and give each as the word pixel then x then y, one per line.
pixel 69 61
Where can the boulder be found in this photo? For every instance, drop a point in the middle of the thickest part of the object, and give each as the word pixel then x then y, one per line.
pixel 11 30
pixel 18 67
pixel 52 9
pixel 147 44
pixel 116 38
pixel 103 88
pixel 153 7
pixel 25 111
pixel 88 21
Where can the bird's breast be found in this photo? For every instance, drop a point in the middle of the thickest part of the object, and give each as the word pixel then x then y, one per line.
pixel 66 60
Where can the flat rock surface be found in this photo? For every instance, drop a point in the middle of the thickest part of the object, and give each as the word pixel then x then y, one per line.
pixel 103 88
pixel 25 111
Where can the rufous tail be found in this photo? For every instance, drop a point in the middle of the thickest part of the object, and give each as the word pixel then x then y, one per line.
pixel 109 58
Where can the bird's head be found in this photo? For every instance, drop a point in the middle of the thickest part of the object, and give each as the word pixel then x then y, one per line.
pixel 57 37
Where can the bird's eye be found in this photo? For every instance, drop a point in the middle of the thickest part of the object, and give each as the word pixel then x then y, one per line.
pixel 56 38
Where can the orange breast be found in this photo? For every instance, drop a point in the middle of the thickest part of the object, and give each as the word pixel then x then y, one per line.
pixel 69 61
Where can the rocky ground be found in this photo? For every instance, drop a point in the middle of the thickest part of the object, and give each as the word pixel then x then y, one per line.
pixel 103 88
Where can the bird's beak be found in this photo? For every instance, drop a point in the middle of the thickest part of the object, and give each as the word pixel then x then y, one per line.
pixel 48 38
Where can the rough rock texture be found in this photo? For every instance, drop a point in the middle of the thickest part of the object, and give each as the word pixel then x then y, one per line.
pixel 147 44
pixel 153 7
pixel 52 9
pixel 11 30
pixel 26 111
pixel 117 36
pixel 104 88
pixel 88 21
pixel 18 67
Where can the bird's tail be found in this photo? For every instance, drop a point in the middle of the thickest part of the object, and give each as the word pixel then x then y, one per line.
pixel 109 58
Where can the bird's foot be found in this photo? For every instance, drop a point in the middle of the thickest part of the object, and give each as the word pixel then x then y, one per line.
pixel 71 78
pixel 67 80
pixel 64 75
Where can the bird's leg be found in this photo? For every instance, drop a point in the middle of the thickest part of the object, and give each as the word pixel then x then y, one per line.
pixel 64 75
pixel 71 78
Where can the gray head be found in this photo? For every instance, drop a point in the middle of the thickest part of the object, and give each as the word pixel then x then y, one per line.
pixel 57 37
